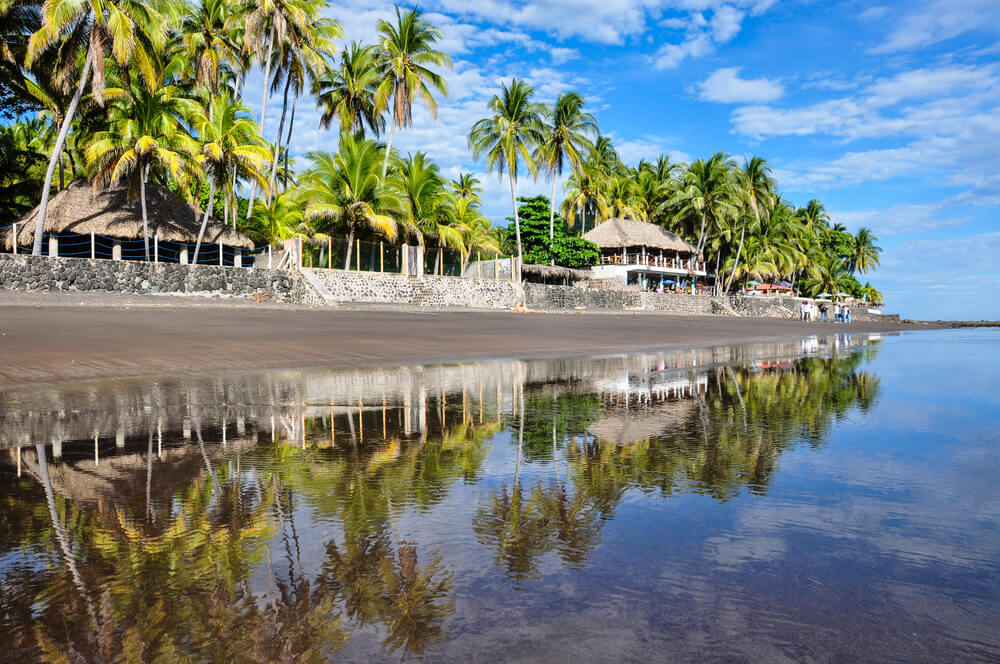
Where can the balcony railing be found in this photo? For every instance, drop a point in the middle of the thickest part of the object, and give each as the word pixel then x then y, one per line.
pixel 654 261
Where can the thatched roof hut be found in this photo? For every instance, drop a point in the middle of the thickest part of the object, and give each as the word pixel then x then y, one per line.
pixel 110 213
pixel 547 274
pixel 622 427
pixel 624 233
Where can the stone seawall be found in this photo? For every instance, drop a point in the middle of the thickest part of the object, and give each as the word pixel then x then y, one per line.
pixel 429 291
pixel 569 297
pixel 83 274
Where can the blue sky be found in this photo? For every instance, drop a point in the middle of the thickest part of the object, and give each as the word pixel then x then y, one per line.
pixel 887 112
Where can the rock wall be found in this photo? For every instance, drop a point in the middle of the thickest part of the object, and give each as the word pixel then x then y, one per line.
pixel 570 297
pixel 82 274
pixel 429 291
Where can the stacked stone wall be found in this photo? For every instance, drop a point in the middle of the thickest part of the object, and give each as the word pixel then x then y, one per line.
pixel 83 274
pixel 428 291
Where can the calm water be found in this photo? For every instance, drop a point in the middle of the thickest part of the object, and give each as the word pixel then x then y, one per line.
pixel 829 499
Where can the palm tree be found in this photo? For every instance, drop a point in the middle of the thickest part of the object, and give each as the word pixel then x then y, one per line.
pixel 269 24
pixel 145 135
pixel 467 187
pixel 230 144
pixel 348 91
pixel 346 189
pixel 566 138
pixel 815 215
pixel 864 254
pixel 585 195
pixel 280 219
pixel 707 193
pixel 509 137
pixel 756 188
pixel 133 29
pixel 408 55
pixel 209 42
pixel 428 208
pixel 620 192
pixel 827 275
pixel 871 294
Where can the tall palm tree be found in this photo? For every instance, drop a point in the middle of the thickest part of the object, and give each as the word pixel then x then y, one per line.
pixel 210 44
pixel 864 254
pixel 565 143
pixel 620 192
pixel 707 193
pixel 348 92
pixel 827 275
pixel 133 30
pixel 145 135
pixel 756 188
pixel 509 137
pixel 346 189
pixel 408 54
pixel 230 144
pixel 815 215
pixel 428 208
pixel 269 25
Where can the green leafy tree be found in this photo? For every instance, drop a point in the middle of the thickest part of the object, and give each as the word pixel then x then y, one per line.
pixel 348 92
pixel 563 249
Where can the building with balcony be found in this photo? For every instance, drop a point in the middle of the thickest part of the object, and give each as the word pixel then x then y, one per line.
pixel 646 256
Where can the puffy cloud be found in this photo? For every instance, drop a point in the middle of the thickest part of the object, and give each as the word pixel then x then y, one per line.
pixel 725 86
pixel 903 219
pixel 933 21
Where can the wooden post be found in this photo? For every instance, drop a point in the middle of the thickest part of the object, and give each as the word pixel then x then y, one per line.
pixel 156 249
pixel 329 250
pixel 357 255
pixel 441 260
pixel 93 246
pixel 496 268
pixel 97 452
pixel 381 256
pixel 479 266
pixel 15 253
pixel 403 255
pixel 301 259
pixel 221 253
pixel 269 259
pixel 18 460
pixel 53 246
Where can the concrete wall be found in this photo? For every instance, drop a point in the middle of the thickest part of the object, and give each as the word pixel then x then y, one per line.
pixel 82 274
pixel 429 291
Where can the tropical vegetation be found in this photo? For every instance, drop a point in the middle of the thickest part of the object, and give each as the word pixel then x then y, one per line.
pixel 151 92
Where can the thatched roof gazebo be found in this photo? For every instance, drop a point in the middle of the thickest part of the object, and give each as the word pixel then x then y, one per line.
pixel 644 255
pixel 627 233
pixel 79 210
pixel 553 274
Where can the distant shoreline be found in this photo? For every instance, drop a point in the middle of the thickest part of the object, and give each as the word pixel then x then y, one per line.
pixel 69 336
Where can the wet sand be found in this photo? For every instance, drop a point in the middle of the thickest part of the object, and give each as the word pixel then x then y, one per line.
pixel 58 336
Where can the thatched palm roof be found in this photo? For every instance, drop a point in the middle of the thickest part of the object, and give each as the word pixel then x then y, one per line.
pixel 624 427
pixel 618 233
pixel 555 272
pixel 78 209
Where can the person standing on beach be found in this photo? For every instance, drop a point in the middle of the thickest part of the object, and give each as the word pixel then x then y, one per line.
pixel 847 314
pixel 836 312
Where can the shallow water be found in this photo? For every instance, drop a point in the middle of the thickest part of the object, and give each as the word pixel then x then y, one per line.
pixel 827 499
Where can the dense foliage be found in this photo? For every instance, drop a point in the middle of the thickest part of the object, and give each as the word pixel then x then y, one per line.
pixel 150 92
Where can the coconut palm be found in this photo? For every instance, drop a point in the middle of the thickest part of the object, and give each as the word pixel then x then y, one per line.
pixel 346 189
pixel 230 145
pixel 408 56
pixel 145 136
pixel 348 92
pixel 565 143
pixel 585 195
pixel 756 188
pixel 871 294
pixel 274 25
pixel 467 187
pixel 827 275
pixel 864 254
pixel 509 137
pixel 133 30
pixel 210 44
pixel 707 193
pixel 814 215
pixel 429 213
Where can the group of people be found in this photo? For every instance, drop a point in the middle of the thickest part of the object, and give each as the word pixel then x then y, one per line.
pixel 811 311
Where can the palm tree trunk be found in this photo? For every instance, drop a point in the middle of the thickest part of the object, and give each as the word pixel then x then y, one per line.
pixel 517 224
pixel 263 109
pixel 288 141
pixel 718 257
pixel 736 265
pixel 552 220
pixel 701 234
pixel 62 174
pixel 204 220
pixel 388 147
pixel 277 142
pixel 36 248
pixel 142 204
pixel 350 244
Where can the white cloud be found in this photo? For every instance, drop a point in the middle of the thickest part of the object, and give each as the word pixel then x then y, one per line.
pixel 725 86
pixel 703 35
pixel 903 219
pixel 933 21
pixel 561 55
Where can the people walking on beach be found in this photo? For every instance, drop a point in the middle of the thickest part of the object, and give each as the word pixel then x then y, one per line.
pixel 824 313
pixel 803 310
pixel 837 313
pixel 847 314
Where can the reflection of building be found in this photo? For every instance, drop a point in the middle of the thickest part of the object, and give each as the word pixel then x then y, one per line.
pixel 644 255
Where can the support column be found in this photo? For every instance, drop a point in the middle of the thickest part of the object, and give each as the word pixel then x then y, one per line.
pixel 221 253
pixel 237 257
pixel 116 251
pixel 93 246
pixel 156 249
pixel 15 253
pixel 183 260
pixel 53 246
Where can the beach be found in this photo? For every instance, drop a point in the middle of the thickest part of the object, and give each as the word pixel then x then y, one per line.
pixel 63 336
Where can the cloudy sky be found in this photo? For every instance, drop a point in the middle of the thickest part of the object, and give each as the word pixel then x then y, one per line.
pixel 889 113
